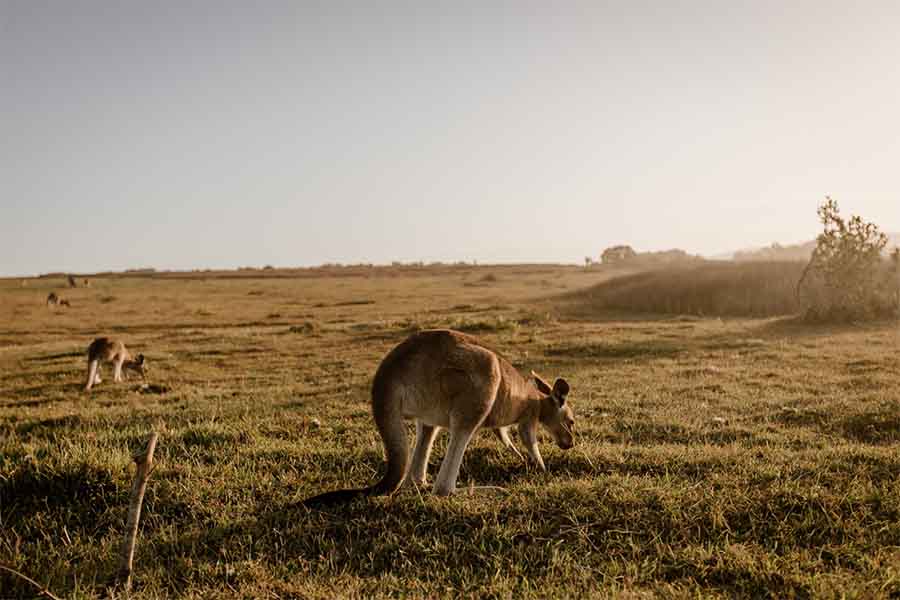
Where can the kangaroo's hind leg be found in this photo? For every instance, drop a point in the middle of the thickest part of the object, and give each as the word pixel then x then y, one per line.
pixel 470 394
pixel 93 375
pixel 445 483
pixel 418 472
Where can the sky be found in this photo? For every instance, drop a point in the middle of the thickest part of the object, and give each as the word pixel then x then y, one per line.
pixel 181 135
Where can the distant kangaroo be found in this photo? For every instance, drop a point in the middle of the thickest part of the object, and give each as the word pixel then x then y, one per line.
pixel 52 299
pixel 113 351
pixel 444 378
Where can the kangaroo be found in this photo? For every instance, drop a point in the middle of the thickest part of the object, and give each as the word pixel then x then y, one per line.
pixel 447 379
pixel 52 299
pixel 113 351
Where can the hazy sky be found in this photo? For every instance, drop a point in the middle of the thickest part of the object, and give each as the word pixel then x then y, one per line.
pixel 219 134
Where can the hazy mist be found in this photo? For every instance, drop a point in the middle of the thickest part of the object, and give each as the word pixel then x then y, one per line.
pixel 216 134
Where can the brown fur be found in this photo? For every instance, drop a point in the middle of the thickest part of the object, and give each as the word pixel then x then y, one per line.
pixel 447 379
pixel 112 351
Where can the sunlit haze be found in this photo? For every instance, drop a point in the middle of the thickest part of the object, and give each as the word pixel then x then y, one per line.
pixel 214 135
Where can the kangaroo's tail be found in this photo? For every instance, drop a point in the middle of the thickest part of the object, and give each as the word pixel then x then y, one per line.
pixel 388 414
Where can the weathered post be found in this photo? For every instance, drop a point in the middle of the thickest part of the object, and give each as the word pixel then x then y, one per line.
pixel 144 461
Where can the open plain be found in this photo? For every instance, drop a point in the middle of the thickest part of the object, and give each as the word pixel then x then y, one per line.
pixel 714 456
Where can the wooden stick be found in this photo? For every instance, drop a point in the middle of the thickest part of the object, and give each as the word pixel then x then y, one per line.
pixel 144 461
pixel 42 590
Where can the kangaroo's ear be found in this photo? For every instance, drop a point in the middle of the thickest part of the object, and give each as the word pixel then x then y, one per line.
pixel 560 391
pixel 542 386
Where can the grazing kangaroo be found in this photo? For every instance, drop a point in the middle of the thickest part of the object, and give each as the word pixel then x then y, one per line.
pixel 444 378
pixel 107 350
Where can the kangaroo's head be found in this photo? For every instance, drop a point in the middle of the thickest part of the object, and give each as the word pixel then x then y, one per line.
pixel 138 365
pixel 556 414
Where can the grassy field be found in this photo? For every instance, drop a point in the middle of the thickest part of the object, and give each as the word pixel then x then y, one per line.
pixel 701 288
pixel 737 457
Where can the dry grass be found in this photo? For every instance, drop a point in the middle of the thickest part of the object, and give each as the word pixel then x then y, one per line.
pixel 747 289
pixel 739 458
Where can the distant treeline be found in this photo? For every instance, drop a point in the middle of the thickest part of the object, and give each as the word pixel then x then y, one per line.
pixel 777 252
pixel 366 270
pixel 795 252
pixel 624 254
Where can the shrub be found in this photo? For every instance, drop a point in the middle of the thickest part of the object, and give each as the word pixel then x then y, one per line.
pixel 848 277
pixel 615 254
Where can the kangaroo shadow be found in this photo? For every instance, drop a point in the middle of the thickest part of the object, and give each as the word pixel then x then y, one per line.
pixel 875 428
pixel 43 390
pixel 47 358
pixel 32 402
pixel 797 326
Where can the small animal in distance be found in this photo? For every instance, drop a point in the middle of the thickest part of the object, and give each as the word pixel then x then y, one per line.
pixel 104 350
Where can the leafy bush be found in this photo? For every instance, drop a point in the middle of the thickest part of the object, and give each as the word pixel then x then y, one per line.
pixel 848 277
pixel 615 254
